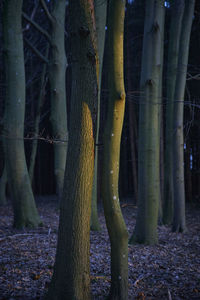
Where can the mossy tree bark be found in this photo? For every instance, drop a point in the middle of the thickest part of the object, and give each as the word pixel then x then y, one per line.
pixel 25 212
pixel 57 69
pixel 179 224
pixel 173 50
pixel 149 142
pixel 111 154
pixel 100 19
pixel 71 278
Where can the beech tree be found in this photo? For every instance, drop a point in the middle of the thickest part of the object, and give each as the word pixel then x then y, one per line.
pixel 57 68
pixel 25 212
pixel 71 277
pixel 149 139
pixel 177 10
pixel 100 20
pixel 179 224
pixel 111 153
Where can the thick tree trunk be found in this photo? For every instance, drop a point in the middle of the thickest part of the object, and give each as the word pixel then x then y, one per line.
pixel 71 278
pixel 179 224
pixel 100 18
pixel 173 50
pixel 25 212
pixel 111 154
pixel 149 142
pixel 57 71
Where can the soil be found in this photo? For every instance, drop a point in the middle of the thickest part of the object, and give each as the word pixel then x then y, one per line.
pixel 169 270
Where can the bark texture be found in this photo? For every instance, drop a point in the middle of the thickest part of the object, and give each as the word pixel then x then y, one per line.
pixel 25 212
pixel 100 19
pixel 71 278
pixel 111 154
pixel 179 223
pixel 149 141
pixel 174 40
pixel 57 68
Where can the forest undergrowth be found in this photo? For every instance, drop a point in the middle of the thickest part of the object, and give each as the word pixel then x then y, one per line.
pixel 169 270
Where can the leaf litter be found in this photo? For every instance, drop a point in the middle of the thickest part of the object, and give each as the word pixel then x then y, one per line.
pixel 169 270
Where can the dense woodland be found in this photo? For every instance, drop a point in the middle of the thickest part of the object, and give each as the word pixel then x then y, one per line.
pixel 99 111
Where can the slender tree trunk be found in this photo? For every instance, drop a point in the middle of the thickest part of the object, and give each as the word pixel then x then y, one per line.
pixel 179 224
pixel 160 117
pixel 188 173
pixel 149 142
pixel 37 120
pixel 71 278
pixel 25 212
pixel 100 18
pixel 3 184
pixel 173 50
pixel 111 154
pixel 57 69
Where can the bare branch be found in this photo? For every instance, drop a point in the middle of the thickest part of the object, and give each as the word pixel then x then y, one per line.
pixel 32 16
pixel 38 27
pixel 36 51
pixel 195 77
pixel 47 12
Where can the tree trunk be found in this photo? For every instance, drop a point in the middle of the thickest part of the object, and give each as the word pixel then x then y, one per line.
pixel 111 154
pixel 100 18
pixel 149 142
pixel 37 119
pixel 179 224
pixel 160 118
pixel 173 50
pixel 3 184
pixel 57 69
pixel 25 212
pixel 71 278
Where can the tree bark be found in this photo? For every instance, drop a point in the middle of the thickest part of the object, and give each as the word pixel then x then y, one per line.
pixel 100 18
pixel 71 278
pixel 149 142
pixel 57 69
pixel 25 212
pixel 3 184
pixel 37 119
pixel 179 224
pixel 111 154
pixel 173 50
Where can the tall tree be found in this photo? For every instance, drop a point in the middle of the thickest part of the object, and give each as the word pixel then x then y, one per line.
pixel 3 184
pixel 100 19
pixel 111 153
pixel 71 278
pixel 25 212
pixel 57 69
pixel 179 224
pixel 177 9
pixel 37 118
pixel 149 142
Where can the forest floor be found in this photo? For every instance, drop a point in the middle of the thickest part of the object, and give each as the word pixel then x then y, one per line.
pixel 169 270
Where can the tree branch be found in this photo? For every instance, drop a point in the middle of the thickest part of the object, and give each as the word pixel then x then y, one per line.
pixel 38 27
pixel 36 51
pixel 32 15
pixel 44 6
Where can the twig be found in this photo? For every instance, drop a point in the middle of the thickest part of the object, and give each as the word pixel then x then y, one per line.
pixel 44 6
pixel 169 294
pixel 38 27
pixel 36 51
